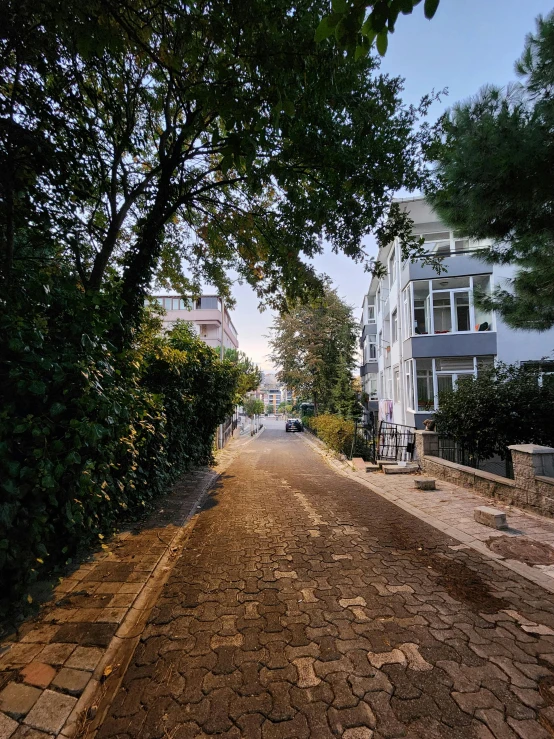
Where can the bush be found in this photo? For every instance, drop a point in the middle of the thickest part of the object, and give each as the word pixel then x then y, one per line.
pixel 86 436
pixel 504 405
pixel 334 431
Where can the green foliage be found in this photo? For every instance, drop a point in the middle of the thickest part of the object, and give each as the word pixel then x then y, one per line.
pixel 284 407
pixel 503 405
pixel 253 406
pixel 494 158
pixel 336 432
pixel 88 436
pixel 250 374
pixel 314 346
pixel 162 141
pixel 356 25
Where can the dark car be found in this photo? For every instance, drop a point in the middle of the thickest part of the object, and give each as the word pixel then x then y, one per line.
pixel 294 424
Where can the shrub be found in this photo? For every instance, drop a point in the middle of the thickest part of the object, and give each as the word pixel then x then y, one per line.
pixel 334 431
pixel 86 436
pixel 504 405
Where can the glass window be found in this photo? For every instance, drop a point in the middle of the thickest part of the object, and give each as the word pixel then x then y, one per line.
pixel 392 267
pixel 445 384
pixel 371 313
pixel 438 243
pixel 209 303
pixel 454 364
pixel 421 308
pixel 372 388
pixel 442 316
pixel 461 311
pixel 450 283
pixel 483 319
pixel 388 380
pixel 175 303
pixel 394 326
pixel 485 362
pixel 397 385
pixel 167 303
pixel 407 313
pixel 461 245
pixel 372 349
pixel 424 379
pixel 410 385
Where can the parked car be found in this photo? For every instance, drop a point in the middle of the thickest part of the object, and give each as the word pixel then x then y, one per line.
pixel 294 424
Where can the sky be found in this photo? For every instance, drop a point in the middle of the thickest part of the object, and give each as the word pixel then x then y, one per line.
pixel 469 43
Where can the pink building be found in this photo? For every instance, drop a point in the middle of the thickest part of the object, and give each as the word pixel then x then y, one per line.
pixel 204 314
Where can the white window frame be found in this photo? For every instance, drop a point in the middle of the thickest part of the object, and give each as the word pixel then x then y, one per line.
pixel 394 326
pixel 397 392
pixel 371 313
pixel 410 319
pixel 411 386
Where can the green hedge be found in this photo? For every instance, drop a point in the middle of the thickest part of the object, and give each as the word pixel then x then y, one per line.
pixel 87 437
pixel 334 431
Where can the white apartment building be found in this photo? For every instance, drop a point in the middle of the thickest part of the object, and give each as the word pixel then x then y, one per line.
pixel 205 316
pixel 421 332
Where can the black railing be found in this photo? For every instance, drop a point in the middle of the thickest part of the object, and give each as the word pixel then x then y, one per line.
pixel 365 444
pixel 468 455
pixel 396 442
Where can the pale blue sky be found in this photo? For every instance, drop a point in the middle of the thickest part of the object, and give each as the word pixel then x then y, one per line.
pixel 469 43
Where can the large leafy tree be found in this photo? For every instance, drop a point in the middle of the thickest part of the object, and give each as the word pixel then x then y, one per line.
pixel 175 141
pixel 494 158
pixel 314 346
pixel 249 374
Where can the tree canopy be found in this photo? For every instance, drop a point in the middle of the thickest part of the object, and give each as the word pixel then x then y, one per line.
pixel 358 24
pixel 314 347
pixel 174 142
pixel 249 374
pixel 494 158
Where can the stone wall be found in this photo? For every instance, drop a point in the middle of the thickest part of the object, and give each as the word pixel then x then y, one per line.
pixel 532 487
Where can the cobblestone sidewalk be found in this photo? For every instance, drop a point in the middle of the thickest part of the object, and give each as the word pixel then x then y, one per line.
pixel 53 670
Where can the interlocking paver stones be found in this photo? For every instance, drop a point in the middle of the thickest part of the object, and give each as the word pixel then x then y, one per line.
pixel 374 628
pixel 17 699
pixel 50 712
pixel 7 726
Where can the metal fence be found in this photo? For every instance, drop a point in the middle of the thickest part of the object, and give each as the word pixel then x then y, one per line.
pixel 468 455
pixel 396 442
pixel 365 444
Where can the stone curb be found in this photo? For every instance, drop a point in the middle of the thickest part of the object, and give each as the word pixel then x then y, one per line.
pixel 520 568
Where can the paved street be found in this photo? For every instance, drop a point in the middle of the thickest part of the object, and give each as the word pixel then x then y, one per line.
pixel 304 605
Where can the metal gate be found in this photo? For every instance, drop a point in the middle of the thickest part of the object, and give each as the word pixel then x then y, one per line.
pixel 364 444
pixel 396 442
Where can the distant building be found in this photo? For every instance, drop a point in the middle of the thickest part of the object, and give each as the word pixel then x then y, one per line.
pixel 205 316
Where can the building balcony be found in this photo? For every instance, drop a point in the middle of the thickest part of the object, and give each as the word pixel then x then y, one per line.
pixel 369 368
pixel 472 344
pixel 454 266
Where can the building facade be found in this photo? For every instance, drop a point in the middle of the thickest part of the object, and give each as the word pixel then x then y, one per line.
pixel 205 315
pixel 421 332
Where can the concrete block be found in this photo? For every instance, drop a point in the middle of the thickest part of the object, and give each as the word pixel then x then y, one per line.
pixel 425 483
pixel 358 463
pixel 490 517
pixel 71 681
pixel 38 674
pixel 397 470
pixel 17 699
pixel 7 726
pixel 50 712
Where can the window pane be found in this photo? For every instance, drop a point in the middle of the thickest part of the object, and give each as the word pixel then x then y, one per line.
pixel 483 318
pixel 424 381
pixel 461 245
pixel 441 313
pixel 445 384
pixel 167 303
pixel 442 236
pixel 394 326
pixel 454 364
pixel 209 303
pixel 175 304
pixel 371 314
pixel 421 308
pixel 461 311
pixel 450 283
